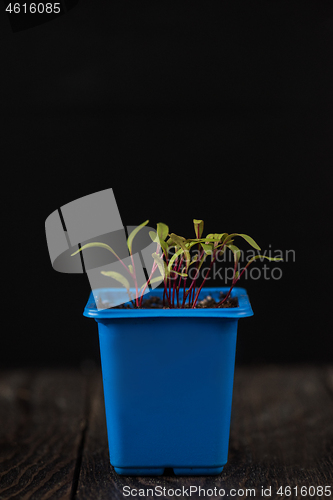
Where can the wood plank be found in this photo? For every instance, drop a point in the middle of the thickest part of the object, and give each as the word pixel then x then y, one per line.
pixel 14 393
pixel 282 428
pixel 281 435
pixel 42 420
pixel 97 478
pixel 329 379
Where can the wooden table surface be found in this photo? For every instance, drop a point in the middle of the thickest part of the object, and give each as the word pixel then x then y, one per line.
pixel 53 440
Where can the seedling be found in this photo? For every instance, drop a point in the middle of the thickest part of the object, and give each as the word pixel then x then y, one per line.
pixel 175 258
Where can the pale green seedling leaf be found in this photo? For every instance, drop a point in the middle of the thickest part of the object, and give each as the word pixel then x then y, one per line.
pixel 183 275
pixel 199 240
pixel 96 244
pixel 170 243
pixel 164 247
pixel 133 234
pixel 246 238
pixel 250 241
pixel 223 245
pixel 180 241
pixel 162 231
pixel 156 239
pixel 202 260
pixel 118 277
pixel 219 237
pixel 189 244
pixel 174 257
pixel 195 259
pixel 237 253
pixel 158 279
pixel 198 227
pixel 216 236
pixel 161 265
pixel 208 249
pixel 274 259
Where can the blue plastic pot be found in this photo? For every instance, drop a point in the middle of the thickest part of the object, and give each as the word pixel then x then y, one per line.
pixel 168 381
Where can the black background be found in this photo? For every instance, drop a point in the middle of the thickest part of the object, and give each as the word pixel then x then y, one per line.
pixel 215 110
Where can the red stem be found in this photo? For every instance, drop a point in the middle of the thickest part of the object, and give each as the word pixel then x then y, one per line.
pixel 173 290
pixel 174 283
pixel 135 282
pixel 151 274
pixel 202 284
pixel 166 292
pixel 232 285
pixel 165 283
pixel 193 281
pixel 183 304
pixel 179 281
pixel 148 281
pixel 121 262
pixel 197 265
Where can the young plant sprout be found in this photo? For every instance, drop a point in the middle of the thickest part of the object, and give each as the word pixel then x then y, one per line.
pixel 173 259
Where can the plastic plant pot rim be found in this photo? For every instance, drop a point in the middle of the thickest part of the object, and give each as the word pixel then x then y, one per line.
pixel 243 310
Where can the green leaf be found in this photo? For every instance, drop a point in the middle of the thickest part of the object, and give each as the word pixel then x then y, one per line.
pixel 164 247
pixel 189 244
pixel 180 241
pixel 118 277
pixel 96 244
pixel 216 236
pixel 208 249
pixel 250 241
pixel 130 268
pixel 204 240
pixel 170 243
pixel 275 259
pixel 224 246
pixel 236 251
pixel 162 231
pixel 174 257
pixel 195 259
pixel 198 227
pixel 154 280
pixel 246 238
pixel 174 274
pixel 133 234
pixel 203 258
pixel 221 237
pixel 154 236
pixel 161 265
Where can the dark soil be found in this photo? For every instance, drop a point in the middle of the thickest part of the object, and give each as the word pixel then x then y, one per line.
pixel 207 302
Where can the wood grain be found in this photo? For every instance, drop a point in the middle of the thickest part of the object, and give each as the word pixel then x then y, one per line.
pixel 281 435
pixel 42 418
pixel 282 428
pixel 53 442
